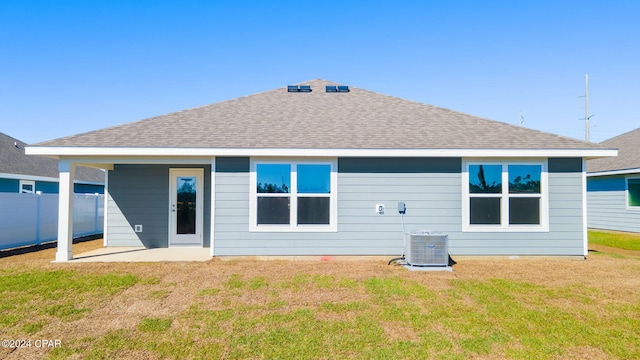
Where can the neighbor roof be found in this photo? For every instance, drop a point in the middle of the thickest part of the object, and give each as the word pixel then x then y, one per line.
pixel 358 119
pixel 14 161
pixel 628 145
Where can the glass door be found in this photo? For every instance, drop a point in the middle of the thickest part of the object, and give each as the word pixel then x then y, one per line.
pixel 186 207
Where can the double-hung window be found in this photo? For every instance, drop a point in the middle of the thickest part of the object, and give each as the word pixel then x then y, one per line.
pixel 509 196
pixel 633 193
pixel 293 196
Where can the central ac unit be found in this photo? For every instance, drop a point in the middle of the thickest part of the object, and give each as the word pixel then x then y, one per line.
pixel 426 248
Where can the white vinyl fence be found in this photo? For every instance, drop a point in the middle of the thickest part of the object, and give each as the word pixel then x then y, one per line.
pixel 32 219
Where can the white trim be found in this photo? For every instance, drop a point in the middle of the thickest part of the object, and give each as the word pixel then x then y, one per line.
pixel 585 232
pixel 293 226
pixel 62 151
pixel 626 192
pixel 504 225
pixel 199 174
pixel 65 211
pixel 108 161
pixel 614 172
pixel 105 226
pixel 212 222
pixel 44 178
pixel 27 182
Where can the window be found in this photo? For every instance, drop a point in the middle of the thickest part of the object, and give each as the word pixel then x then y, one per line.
pixel 27 187
pixel 293 196
pixel 633 192
pixel 504 196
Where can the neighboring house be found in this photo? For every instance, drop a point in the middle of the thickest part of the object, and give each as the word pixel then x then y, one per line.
pixel 20 173
pixel 301 170
pixel 613 186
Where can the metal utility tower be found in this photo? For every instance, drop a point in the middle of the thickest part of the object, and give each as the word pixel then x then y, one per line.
pixel 586 107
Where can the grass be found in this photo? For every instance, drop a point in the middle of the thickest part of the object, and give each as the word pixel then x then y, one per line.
pixel 237 310
pixel 37 295
pixel 470 319
pixel 627 241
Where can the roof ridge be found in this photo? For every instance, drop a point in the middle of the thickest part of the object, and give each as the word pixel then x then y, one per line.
pixel 625 134
pixel 361 119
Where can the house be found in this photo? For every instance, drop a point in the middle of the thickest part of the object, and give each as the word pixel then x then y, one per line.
pixel 29 197
pixel 20 173
pixel 305 170
pixel 613 186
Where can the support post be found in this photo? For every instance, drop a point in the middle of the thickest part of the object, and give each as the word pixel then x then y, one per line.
pixel 65 211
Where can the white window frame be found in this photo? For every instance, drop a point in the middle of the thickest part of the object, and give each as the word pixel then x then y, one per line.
pixel 504 225
pixel 27 182
pixel 293 194
pixel 626 192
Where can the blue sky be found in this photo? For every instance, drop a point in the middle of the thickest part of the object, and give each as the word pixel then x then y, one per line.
pixel 74 66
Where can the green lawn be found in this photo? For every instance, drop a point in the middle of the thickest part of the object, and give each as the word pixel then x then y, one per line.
pixel 627 241
pixel 541 309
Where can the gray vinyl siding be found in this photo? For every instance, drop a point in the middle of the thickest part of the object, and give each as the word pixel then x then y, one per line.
pixel 361 185
pixel 565 235
pixel 431 189
pixel 566 226
pixel 139 195
pixel 607 205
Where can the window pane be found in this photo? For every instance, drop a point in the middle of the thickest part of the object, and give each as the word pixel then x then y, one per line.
pixel 313 210
pixel 273 210
pixel 524 210
pixel 524 179
pixel 314 179
pixel 485 179
pixel 186 207
pixel 274 178
pixel 27 189
pixel 633 186
pixel 484 210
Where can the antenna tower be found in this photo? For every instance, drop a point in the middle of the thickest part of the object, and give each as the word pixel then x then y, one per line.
pixel 586 107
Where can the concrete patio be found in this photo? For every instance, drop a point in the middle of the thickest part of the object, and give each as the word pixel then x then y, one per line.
pixel 141 254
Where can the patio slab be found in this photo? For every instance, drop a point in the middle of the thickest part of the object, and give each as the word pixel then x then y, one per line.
pixel 142 254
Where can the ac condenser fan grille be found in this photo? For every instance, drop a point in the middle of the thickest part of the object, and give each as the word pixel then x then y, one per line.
pixel 427 249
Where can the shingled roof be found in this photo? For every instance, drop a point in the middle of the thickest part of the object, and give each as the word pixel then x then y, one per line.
pixel 628 154
pixel 14 161
pixel 358 119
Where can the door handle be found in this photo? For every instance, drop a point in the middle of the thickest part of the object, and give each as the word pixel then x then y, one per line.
pixel 173 208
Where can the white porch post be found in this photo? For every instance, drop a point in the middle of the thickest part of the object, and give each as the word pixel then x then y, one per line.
pixel 65 211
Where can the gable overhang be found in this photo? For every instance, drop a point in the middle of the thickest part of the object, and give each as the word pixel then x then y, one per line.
pixel 117 154
pixel 614 172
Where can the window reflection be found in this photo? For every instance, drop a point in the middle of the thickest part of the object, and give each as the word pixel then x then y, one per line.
pixel 524 179
pixel 485 179
pixel 274 178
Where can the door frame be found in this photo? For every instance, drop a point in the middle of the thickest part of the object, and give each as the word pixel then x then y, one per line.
pixel 199 235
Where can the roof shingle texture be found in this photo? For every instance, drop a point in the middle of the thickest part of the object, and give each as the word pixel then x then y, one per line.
pixel 14 161
pixel 320 120
pixel 628 145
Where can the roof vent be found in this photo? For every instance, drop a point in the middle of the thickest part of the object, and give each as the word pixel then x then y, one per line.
pixel 339 88
pixel 299 88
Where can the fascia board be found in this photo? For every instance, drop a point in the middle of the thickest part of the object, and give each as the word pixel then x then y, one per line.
pixel 209 152
pixel 614 172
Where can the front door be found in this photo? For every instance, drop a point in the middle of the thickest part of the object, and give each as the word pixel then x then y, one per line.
pixel 185 207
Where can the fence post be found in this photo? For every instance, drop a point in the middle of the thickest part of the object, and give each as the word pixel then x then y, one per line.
pixel 38 219
pixel 95 214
